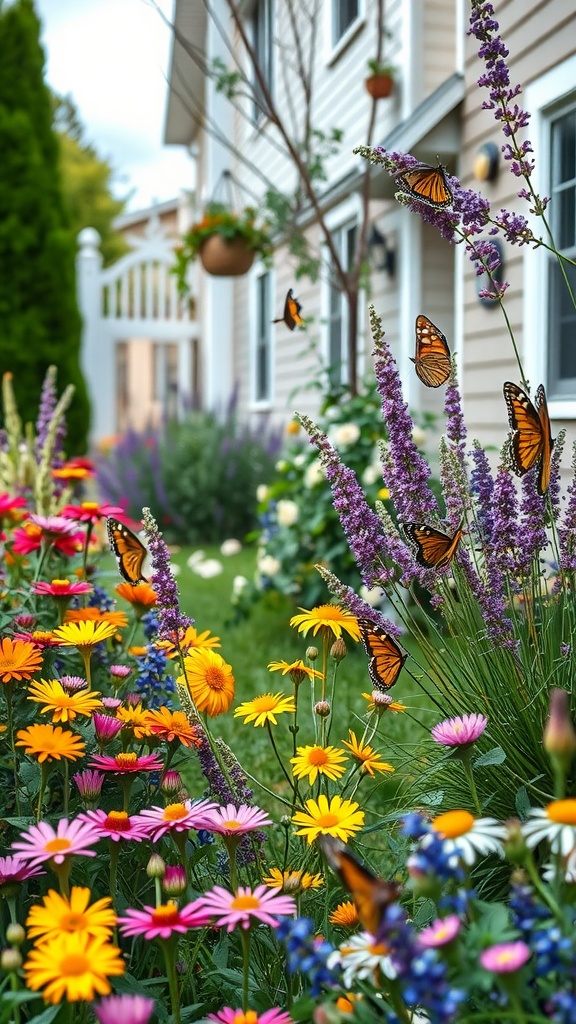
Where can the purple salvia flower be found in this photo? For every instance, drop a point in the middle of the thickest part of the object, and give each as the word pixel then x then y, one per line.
pixel 455 428
pixel 532 534
pixel 554 485
pixel 454 483
pixel 482 487
pixel 505 524
pixel 171 622
pixel 359 522
pixel 350 599
pixel 46 409
pixel 567 528
pixel 491 600
pixel 407 472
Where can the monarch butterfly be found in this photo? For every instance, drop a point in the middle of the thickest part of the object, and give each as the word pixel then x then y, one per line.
pixel 426 184
pixel 386 658
pixel 532 442
pixel 432 360
pixel 372 895
pixel 434 548
pixel 291 316
pixel 130 552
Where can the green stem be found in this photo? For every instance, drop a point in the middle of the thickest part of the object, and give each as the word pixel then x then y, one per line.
pixel 231 844
pixel 86 653
pixel 168 951
pixel 114 855
pixel 245 941
pixel 10 724
pixel 543 892
pixel 66 786
pixel 278 758
pixel 470 778
pixel 44 773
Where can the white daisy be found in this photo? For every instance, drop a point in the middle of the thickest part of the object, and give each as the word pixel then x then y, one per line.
pixel 556 822
pixel 468 836
pixel 361 957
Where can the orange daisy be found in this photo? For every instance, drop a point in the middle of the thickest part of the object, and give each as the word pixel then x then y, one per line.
pixel 118 619
pixel 50 743
pixel 136 719
pixel 19 659
pixel 141 596
pixel 172 725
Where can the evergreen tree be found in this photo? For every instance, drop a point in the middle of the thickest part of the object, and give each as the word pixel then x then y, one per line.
pixel 39 319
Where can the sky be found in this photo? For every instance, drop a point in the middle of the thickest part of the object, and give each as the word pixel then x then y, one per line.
pixel 112 57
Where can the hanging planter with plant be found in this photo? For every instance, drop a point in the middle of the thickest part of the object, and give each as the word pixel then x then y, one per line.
pixel 226 242
pixel 381 80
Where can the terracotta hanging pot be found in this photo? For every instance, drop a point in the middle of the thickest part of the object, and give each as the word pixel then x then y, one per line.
pixel 379 86
pixel 225 258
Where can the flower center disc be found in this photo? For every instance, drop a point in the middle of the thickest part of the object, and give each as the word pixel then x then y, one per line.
pixel 247 902
pixel 328 820
pixel 57 845
pixel 75 964
pixel 126 760
pixel 165 915
pixel 317 756
pixel 215 678
pixel 74 922
pixel 118 821
pixel 562 811
pixel 174 812
pixel 453 823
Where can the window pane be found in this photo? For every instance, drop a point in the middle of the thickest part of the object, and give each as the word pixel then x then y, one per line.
pixel 562 331
pixel 564 148
pixel 561 312
pixel 263 339
pixel 344 12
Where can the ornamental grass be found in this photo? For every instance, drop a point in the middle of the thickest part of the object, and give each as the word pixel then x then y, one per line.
pixel 360 876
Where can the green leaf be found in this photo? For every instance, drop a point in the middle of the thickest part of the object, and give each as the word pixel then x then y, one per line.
pixel 494 756
pixel 522 802
pixel 50 1014
pixel 433 798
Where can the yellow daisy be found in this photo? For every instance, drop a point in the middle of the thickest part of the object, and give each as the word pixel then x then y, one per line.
pixel 345 914
pixel 136 719
pixel 84 635
pixel 370 760
pixel 50 743
pixel 329 618
pixel 292 881
pixel 297 670
pixel 209 680
pixel 72 966
pixel 65 707
pixel 315 760
pixel 58 914
pixel 265 708
pixel 339 818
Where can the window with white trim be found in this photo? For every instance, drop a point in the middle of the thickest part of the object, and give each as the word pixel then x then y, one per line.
pixel 343 15
pixel 262 18
pixel 263 339
pixel 344 239
pixel 561 311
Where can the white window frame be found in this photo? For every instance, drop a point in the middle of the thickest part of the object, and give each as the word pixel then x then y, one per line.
pixel 333 50
pixel 347 215
pixel 261 404
pixel 544 98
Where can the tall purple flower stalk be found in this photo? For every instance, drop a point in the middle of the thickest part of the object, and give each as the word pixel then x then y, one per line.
pixel 532 534
pixel 505 524
pixel 48 402
pixel 482 487
pixel 171 622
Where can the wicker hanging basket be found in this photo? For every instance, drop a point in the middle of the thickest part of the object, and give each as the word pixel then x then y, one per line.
pixel 226 258
pixel 379 86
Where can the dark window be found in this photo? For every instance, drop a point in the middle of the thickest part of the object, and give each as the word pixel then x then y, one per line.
pixel 344 13
pixel 561 305
pixel 263 354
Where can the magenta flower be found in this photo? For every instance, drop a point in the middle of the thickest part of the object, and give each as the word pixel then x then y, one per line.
pixel 235 821
pixel 14 870
pixel 115 825
pixel 73 683
pixel 89 784
pixel 106 727
pixel 62 588
pixel 91 512
pixel 54 526
pixel 126 763
pixel 128 1009
pixel 174 882
pixel 8 503
pixel 229 1016
pixel 245 906
pixel 177 817
pixel 459 732
pixel 440 932
pixel 505 957
pixel 41 843
pixel 161 922
pixel 171 783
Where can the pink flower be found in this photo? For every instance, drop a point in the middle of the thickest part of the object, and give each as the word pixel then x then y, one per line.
pixel 106 727
pixel 8 504
pixel 120 671
pixel 440 932
pixel 61 588
pixel 90 512
pixel 178 817
pixel 73 683
pixel 41 843
pixel 161 922
pixel 174 882
pixel 14 870
pixel 128 1009
pixel 505 957
pixel 459 732
pixel 115 825
pixel 235 821
pixel 125 763
pixel 111 703
pixel 89 784
pixel 53 526
pixel 229 1016
pixel 245 906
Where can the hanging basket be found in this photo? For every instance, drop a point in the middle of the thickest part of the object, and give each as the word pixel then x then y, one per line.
pixel 379 86
pixel 225 258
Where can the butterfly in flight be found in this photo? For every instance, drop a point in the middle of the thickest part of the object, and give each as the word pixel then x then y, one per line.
pixel 385 656
pixel 130 552
pixel 371 895
pixel 432 360
pixel 434 548
pixel 532 442
pixel 427 185
pixel 291 316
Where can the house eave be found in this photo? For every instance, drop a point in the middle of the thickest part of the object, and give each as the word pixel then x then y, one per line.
pixel 186 79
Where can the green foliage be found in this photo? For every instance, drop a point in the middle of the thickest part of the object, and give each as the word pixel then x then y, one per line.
pixel 38 312
pixel 227 82
pixel 381 68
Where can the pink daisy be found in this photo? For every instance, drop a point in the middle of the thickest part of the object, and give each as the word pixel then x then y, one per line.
pixel 41 842
pixel 459 732
pixel 90 512
pixel 120 671
pixel 505 957
pixel 128 1009
pixel 111 703
pixel 235 821
pixel 8 503
pixel 440 932
pixel 14 870
pixel 161 922
pixel 89 784
pixel 245 906
pixel 115 825
pixel 229 1016
pixel 125 763
pixel 62 588
pixel 53 526
pixel 177 817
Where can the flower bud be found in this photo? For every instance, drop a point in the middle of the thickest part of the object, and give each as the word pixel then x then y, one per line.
pixel 338 650
pixel 322 709
pixel 15 934
pixel 156 866
pixel 10 960
pixel 514 844
pixel 311 653
pixel 559 736
pixel 174 882
pixel 171 783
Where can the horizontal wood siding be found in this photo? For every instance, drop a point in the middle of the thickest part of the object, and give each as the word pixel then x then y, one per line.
pixel 438 43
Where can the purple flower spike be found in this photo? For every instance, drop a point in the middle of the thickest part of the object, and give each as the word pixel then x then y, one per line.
pixel 172 623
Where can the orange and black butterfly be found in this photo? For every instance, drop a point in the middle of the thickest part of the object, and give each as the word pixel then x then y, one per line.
pixel 532 442
pixel 434 548
pixel 291 316
pixel 385 656
pixel 432 359
pixel 371 895
pixel 130 552
pixel 426 184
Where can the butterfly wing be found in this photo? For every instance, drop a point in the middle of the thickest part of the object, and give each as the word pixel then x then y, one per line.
pixel 385 656
pixel 543 478
pixel 527 445
pixel 427 185
pixel 371 895
pixel 432 360
pixel 434 548
pixel 291 316
pixel 128 549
